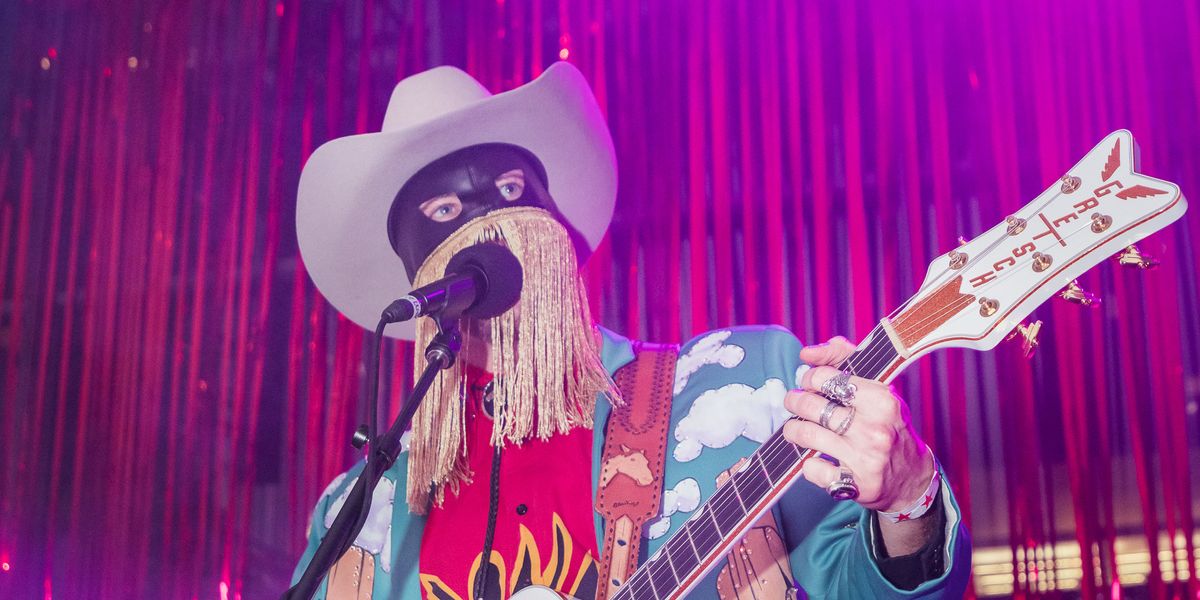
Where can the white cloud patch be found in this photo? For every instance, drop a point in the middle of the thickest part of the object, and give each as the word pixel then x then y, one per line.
pixel 684 497
pixel 658 528
pixel 710 350
pixel 376 534
pixel 800 370
pixel 719 416
pixel 333 485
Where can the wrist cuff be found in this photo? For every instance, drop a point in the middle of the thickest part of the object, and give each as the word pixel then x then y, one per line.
pixel 922 505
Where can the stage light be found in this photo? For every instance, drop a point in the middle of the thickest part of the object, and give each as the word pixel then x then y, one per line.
pixel 45 63
pixel 564 53
pixel 5 566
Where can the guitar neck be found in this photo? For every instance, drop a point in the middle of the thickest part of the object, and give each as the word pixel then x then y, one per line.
pixel 729 512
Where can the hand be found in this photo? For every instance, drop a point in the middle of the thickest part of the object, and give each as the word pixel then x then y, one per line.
pixel 890 463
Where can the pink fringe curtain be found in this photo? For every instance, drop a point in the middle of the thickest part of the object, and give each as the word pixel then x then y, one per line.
pixel 175 394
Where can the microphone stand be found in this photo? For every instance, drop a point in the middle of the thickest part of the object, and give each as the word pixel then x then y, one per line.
pixel 385 448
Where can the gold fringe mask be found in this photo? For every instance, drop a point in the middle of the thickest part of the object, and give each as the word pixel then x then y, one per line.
pixel 544 353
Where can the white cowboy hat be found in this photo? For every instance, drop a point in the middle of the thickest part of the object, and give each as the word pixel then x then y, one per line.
pixel 348 184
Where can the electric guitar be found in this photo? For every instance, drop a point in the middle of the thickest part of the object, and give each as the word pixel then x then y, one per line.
pixel 972 297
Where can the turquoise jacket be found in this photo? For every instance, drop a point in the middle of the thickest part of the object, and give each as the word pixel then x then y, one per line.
pixel 729 388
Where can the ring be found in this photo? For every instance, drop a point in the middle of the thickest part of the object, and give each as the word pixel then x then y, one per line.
pixel 827 413
pixel 839 389
pixel 843 488
pixel 845 424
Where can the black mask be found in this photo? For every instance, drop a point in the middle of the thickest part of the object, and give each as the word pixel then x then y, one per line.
pixel 452 190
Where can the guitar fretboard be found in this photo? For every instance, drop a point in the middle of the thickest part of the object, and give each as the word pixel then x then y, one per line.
pixel 730 511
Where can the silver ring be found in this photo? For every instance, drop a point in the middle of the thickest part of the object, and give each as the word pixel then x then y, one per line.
pixel 845 424
pixel 839 389
pixel 843 488
pixel 827 413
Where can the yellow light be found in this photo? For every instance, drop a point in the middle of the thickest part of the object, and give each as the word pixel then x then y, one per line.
pixel 133 62
pixel 45 64
pixel 994 577
pixel 564 53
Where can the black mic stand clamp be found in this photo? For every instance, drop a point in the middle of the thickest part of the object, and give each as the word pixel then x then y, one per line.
pixel 439 355
pixel 385 448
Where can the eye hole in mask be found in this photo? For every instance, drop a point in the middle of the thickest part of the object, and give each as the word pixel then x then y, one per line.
pixel 449 192
pixel 447 207
pixel 511 184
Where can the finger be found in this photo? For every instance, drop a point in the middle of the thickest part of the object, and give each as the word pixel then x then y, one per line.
pixel 807 434
pixel 833 352
pixel 809 406
pixel 820 472
pixel 879 404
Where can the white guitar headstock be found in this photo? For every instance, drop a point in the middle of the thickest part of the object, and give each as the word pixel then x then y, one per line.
pixel 974 295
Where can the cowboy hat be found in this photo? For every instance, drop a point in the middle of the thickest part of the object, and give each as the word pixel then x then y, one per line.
pixel 348 184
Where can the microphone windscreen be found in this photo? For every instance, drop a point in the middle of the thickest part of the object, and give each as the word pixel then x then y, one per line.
pixel 501 274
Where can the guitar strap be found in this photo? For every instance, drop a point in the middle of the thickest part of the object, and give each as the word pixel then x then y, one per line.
pixel 631 471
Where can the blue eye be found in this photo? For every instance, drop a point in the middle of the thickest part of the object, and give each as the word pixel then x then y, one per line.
pixel 510 191
pixel 511 184
pixel 442 208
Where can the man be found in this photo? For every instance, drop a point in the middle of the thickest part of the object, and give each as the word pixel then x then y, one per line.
pixel 508 452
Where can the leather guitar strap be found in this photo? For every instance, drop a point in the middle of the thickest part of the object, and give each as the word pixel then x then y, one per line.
pixel 631 469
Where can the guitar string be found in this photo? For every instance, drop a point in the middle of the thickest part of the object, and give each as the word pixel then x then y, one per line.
pixel 773 448
pixel 635 582
pixel 721 500
pixel 949 312
pixel 872 356
pixel 939 280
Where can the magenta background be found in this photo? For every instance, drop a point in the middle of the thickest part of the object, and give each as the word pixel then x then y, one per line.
pixel 175 394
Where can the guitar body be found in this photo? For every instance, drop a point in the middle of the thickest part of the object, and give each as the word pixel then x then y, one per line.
pixel 537 592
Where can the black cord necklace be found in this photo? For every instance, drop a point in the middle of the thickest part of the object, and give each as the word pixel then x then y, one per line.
pixel 485 559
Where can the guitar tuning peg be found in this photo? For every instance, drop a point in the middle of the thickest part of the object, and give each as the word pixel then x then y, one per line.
pixel 1077 295
pixel 1028 334
pixel 1131 256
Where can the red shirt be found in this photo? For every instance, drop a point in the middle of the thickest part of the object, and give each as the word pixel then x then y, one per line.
pixel 545 533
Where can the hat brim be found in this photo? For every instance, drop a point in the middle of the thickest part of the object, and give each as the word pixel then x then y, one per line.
pixel 348 184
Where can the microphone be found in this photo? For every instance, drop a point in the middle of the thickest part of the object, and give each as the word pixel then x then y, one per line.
pixel 481 281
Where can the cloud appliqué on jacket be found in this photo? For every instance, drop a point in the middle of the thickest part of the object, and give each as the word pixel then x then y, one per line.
pixel 719 416
pixel 710 350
